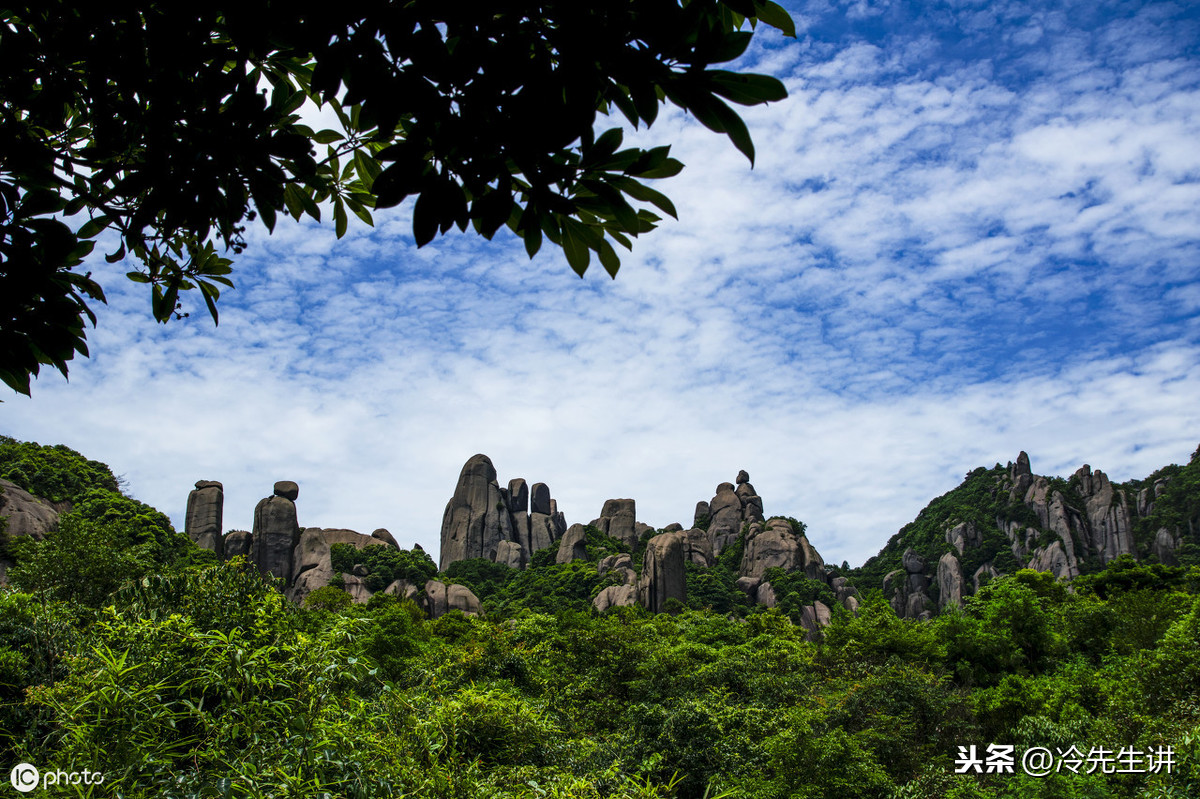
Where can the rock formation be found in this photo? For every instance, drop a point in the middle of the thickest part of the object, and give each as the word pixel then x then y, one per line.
pixel 573 545
pixel 441 598
pixel 276 532
pixel 907 589
pixel 312 565
pixel 27 514
pixel 662 572
pixel 731 508
pixel 482 516
pixel 615 596
pixel 202 524
pixel 950 581
pixel 618 519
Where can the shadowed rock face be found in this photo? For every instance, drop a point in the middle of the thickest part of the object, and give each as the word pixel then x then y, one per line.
pixel 662 572
pixel 618 519
pixel 204 514
pixel 477 517
pixel 615 596
pixel 950 581
pixel 441 598
pixel 505 525
pixel 312 566
pixel 276 534
pixel 26 514
pixel 572 546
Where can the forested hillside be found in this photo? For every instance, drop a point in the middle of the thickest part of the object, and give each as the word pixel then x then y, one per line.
pixel 127 651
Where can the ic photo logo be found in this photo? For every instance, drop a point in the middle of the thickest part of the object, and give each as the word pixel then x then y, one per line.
pixel 24 777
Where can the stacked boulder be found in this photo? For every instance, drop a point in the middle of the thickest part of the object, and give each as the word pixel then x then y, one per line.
pixel 731 507
pixel 302 557
pixel 504 525
pixel 202 523
pixel 907 589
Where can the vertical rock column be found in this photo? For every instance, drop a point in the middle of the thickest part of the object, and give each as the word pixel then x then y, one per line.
pixel 477 517
pixel 662 572
pixel 276 531
pixel 204 510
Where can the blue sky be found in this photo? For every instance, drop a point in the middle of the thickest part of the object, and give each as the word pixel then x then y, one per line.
pixel 972 229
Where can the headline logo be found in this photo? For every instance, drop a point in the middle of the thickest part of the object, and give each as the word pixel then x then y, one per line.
pixel 25 777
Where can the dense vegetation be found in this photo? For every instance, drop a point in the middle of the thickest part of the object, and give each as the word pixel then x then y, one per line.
pixel 184 679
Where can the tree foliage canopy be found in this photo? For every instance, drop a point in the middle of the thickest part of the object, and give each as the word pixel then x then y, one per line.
pixel 175 126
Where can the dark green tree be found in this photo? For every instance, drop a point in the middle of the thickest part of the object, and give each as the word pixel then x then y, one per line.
pixel 151 119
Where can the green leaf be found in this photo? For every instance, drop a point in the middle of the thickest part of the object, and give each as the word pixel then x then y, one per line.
pixel 746 89
pixel 116 256
pixel 426 213
pixel 211 294
pixel 359 210
pixel 327 137
pixel 776 16
pixel 339 217
pixel 137 277
pixel 644 193
pixel 267 214
pixel 573 247
pixel 93 227
pixel 609 259
pixel 367 167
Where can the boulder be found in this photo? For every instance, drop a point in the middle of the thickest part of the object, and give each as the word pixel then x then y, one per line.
pixel 748 585
pixel 202 522
pixel 238 542
pixel 27 515
pixel 702 514
pixel 383 535
pixel 312 566
pixel 512 554
pixel 621 564
pixel 356 587
pixel 286 489
pixel 476 518
pixel 618 520
pixel 1110 521
pixel 441 598
pixel 950 581
pixel 987 571
pixel 542 531
pixel 743 477
pixel 573 545
pixel 662 572
pixel 276 534
pixel 725 517
pixel 540 499
pixel 814 564
pixel 1053 559
pixel 697 547
pixel 674 527
pixel 777 546
pixel 765 595
pixel 913 563
pixel 1163 547
pixel 615 596
pixel 403 589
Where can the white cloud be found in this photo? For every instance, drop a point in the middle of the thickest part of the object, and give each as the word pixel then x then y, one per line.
pixel 931 267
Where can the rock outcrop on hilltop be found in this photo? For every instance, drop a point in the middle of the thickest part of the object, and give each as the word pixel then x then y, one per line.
pixel 504 525
pixel 202 522
pixel 1009 518
pixel 23 514
pixel 302 557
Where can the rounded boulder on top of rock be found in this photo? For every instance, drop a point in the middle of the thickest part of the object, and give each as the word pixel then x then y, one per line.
pixel 287 489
